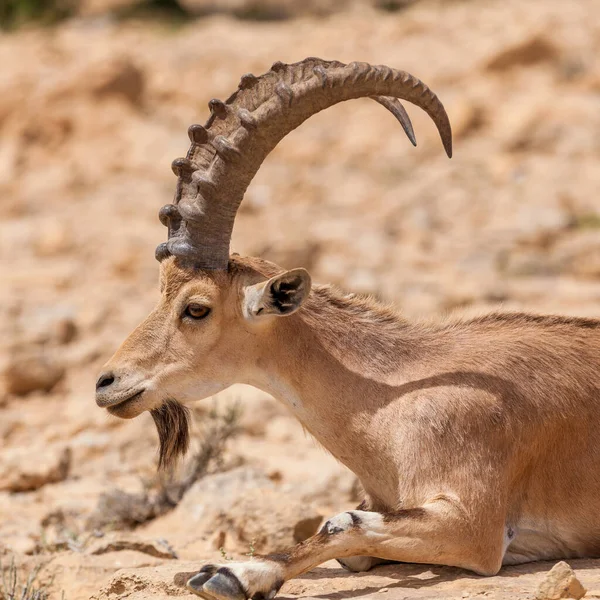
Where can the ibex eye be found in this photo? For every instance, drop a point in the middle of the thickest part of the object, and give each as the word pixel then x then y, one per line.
pixel 196 311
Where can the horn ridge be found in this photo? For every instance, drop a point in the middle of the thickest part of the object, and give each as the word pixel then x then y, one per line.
pixel 228 150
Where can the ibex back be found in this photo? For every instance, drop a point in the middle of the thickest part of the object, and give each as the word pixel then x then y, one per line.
pixel 474 439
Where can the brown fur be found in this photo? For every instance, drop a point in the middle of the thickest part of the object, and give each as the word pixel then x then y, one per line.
pixel 172 422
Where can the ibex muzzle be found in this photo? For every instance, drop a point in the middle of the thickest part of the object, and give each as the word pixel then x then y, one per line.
pixel 474 440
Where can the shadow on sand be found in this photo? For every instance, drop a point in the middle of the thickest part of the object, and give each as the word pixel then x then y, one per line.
pixel 415 577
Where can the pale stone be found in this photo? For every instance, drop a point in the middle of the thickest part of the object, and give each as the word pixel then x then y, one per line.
pixel 27 469
pixel 560 582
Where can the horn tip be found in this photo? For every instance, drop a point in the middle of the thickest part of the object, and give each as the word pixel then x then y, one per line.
pixel 410 134
pixel 447 147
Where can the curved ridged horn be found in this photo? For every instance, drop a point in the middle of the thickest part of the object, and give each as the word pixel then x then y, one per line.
pixel 227 152
pixel 397 109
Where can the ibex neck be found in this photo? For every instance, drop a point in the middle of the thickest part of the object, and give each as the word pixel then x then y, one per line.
pixel 334 363
pixel 358 334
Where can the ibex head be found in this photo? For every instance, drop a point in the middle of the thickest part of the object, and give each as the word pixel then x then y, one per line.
pixel 211 327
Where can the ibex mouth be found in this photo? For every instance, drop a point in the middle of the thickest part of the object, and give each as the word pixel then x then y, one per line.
pixel 122 404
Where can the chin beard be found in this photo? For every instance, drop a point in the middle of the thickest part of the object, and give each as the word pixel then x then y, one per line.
pixel 172 421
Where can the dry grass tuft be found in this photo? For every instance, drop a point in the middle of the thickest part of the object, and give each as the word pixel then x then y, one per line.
pixel 118 509
pixel 15 584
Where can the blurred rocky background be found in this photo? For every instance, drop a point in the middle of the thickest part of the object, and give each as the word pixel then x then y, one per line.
pixel 95 100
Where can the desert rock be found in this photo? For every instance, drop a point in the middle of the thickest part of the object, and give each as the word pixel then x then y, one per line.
pixel 560 582
pixel 32 371
pixel 27 469
pixel 268 520
pixel 118 542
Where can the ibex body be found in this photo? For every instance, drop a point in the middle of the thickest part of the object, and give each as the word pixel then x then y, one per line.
pixel 473 439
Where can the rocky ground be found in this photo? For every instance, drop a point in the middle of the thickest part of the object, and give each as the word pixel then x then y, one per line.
pixel 92 113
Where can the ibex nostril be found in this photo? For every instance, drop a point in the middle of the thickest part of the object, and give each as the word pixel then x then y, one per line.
pixel 105 380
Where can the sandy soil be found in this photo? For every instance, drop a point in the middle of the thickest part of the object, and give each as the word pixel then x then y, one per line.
pixel 91 115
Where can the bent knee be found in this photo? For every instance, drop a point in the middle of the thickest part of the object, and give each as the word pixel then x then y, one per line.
pixel 353 519
pixel 486 568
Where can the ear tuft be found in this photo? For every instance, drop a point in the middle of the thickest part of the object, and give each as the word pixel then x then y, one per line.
pixel 280 296
pixel 287 295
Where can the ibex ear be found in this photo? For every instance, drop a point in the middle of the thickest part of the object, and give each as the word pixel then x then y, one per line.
pixel 280 296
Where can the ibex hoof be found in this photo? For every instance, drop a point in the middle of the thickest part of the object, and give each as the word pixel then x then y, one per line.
pixel 222 585
pixel 237 581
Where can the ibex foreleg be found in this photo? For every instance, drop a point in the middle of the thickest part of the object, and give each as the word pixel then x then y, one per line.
pixel 436 533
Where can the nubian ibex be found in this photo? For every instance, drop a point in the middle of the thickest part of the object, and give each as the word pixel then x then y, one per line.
pixel 475 440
